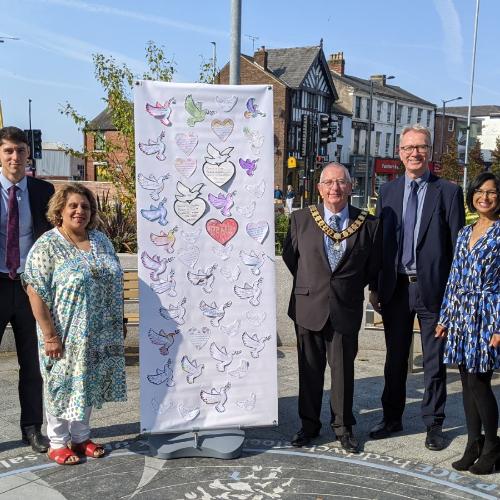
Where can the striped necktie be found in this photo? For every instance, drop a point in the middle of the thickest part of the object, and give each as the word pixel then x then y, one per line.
pixel 334 254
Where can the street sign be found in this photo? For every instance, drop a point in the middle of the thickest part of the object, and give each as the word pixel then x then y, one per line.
pixel 292 162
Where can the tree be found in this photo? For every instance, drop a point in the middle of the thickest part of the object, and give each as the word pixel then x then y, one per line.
pixel 476 163
pixel 495 156
pixel 450 167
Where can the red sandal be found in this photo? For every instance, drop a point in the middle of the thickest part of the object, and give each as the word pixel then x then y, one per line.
pixel 89 449
pixel 61 455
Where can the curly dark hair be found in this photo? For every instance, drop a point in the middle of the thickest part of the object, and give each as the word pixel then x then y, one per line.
pixel 477 183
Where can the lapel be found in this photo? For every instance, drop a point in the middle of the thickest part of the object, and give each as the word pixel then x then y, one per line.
pixel 431 197
pixel 33 204
pixel 321 210
pixel 397 203
pixel 350 242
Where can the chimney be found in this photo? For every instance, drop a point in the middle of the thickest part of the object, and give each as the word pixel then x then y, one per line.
pixel 260 57
pixel 379 79
pixel 336 63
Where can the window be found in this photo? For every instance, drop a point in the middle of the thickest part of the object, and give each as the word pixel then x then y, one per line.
pixel 355 148
pixel 379 111
pixel 368 103
pixel 99 141
pixel 451 124
pixel 399 112
pixel 357 109
pixel 340 123
pixel 378 136
pixel 389 112
pixel 339 152
pixel 408 117
pixel 100 171
pixel 388 140
pixel 428 121
pixel 419 115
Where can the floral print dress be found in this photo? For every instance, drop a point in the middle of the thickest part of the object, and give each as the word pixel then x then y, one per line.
pixel 471 304
pixel 84 293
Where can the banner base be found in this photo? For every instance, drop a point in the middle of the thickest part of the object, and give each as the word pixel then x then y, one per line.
pixel 224 444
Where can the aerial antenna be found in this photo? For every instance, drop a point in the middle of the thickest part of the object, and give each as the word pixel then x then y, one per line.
pixel 253 38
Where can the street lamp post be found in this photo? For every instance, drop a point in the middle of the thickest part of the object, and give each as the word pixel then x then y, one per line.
pixel 442 122
pixel 234 64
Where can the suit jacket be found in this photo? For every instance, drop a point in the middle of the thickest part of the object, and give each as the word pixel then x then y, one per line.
pixel 319 294
pixel 443 215
pixel 39 193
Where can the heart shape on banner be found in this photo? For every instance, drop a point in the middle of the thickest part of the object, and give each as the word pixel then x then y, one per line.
pixel 219 174
pixel 222 232
pixel 190 211
pixel 258 230
pixel 189 256
pixel 199 337
pixel 185 167
pixel 222 128
pixel 186 142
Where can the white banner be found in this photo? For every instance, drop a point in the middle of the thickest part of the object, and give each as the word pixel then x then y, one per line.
pixel 205 175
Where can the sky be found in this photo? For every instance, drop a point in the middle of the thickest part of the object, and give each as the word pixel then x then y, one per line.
pixel 427 45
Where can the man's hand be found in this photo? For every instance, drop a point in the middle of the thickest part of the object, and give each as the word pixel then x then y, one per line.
pixel 495 340
pixel 373 297
pixel 441 331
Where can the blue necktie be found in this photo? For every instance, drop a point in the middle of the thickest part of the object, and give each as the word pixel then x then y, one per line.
pixel 334 255
pixel 409 225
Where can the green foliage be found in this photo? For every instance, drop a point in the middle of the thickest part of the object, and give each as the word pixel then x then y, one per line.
pixel 495 155
pixel 450 167
pixel 281 227
pixel 475 161
pixel 207 71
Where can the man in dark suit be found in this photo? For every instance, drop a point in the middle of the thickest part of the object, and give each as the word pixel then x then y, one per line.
pixel 421 215
pixel 332 251
pixel 23 204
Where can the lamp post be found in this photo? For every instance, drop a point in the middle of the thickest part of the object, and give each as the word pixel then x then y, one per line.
pixel 442 122
pixel 234 64
pixel 214 62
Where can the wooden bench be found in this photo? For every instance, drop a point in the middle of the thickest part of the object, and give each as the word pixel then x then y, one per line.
pixel 131 293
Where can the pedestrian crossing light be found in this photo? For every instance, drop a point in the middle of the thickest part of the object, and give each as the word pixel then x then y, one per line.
pixel 35 142
pixel 325 133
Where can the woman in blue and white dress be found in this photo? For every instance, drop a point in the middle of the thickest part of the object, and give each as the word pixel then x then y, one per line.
pixel 470 319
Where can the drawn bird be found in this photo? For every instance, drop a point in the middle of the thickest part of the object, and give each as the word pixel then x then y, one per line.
pixel 166 375
pixel 163 339
pixel 231 275
pixel 203 278
pixel 253 260
pixel 192 368
pixel 158 213
pixel 255 318
pixel 223 358
pixel 156 148
pixel 166 286
pixel 248 165
pixel 254 343
pixel 155 264
pixel 175 313
pixel 256 139
pixel 248 404
pixel 161 112
pixel 242 370
pixel 226 103
pixel 232 329
pixel 214 312
pixel 165 240
pixel 253 109
pixel 195 110
pixel 186 194
pixel 251 292
pixel 223 252
pixel 256 190
pixel 191 237
pixel 216 397
pixel 223 202
pixel 216 157
pixel 186 413
pixel 247 210
pixel 153 184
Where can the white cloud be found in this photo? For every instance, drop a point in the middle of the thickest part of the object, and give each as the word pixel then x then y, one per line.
pixel 38 81
pixel 452 31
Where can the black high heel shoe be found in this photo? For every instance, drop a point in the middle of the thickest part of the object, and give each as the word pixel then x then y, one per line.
pixel 487 462
pixel 471 454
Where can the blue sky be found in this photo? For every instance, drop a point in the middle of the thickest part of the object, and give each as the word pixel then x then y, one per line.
pixel 427 45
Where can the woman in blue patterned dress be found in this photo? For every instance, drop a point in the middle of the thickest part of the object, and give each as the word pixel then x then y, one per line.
pixel 74 282
pixel 470 319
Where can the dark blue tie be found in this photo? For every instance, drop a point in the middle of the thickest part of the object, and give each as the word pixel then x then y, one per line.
pixel 409 225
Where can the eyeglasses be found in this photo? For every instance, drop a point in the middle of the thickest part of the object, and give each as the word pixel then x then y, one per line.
pixel 329 183
pixel 421 148
pixel 488 194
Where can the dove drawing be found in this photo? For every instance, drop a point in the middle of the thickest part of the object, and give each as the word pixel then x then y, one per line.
pixel 232 329
pixel 253 260
pixel 247 210
pixel 161 112
pixel 223 202
pixel 256 140
pixel 223 358
pixel 166 286
pixel 165 240
pixel 231 275
pixel 214 312
pixel 156 265
pixel 174 312
pixel 153 184
pixel 253 109
pixel 242 370
pixel 163 339
pixel 192 368
pixel 216 397
pixel 250 292
pixel 254 343
pixel 157 147
pixel 158 213
pixel 186 413
pixel 187 194
pixel 256 190
pixel 216 157
pixel 248 404
pixel 195 111
pixel 163 376
pixel 248 166
pixel 204 278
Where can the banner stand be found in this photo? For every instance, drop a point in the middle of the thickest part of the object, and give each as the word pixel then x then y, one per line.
pixel 224 444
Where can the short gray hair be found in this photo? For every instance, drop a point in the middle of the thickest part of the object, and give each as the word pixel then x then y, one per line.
pixel 347 175
pixel 416 127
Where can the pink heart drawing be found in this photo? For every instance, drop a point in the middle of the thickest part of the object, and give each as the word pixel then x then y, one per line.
pixel 185 166
pixel 258 230
pixel 222 232
pixel 222 128
pixel 186 142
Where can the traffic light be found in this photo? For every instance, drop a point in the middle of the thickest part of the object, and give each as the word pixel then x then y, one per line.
pixel 325 133
pixel 305 135
pixel 35 142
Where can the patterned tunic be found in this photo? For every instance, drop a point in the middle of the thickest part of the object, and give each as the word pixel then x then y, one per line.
pixel 87 312
pixel 471 305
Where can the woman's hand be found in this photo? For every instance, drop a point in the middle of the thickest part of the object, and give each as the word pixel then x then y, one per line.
pixel 495 340
pixel 53 347
pixel 440 331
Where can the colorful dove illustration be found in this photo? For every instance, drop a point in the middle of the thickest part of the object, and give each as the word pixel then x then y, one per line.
pixel 161 112
pixel 195 110
pixel 253 109
pixel 158 213
pixel 222 202
pixel 248 166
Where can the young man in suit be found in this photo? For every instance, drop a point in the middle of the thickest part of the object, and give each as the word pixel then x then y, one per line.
pixel 421 215
pixel 333 251
pixel 23 204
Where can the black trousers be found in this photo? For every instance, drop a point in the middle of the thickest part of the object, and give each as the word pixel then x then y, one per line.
pixel 398 316
pixel 15 308
pixel 314 349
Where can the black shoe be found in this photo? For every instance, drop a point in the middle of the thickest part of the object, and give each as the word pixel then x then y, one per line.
pixel 38 442
pixel 487 462
pixel 349 442
pixel 435 440
pixel 471 454
pixel 303 438
pixel 385 428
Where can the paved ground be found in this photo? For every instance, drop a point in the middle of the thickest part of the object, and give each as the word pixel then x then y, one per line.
pixel 399 467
